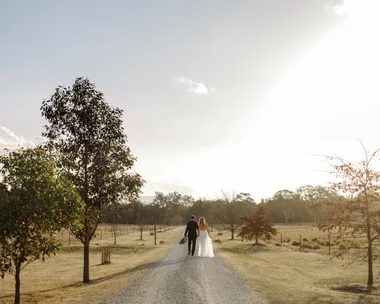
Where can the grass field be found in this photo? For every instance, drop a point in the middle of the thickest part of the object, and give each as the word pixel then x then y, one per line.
pixel 279 272
pixel 58 279
pixel 295 274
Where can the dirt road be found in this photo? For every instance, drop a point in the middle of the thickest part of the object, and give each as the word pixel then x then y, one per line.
pixel 182 279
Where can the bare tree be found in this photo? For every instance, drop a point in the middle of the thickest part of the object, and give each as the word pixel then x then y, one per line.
pixel 233 212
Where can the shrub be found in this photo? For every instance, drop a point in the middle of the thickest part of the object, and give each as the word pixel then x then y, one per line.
pixel 342 247
pixel 220 233
pixel 305 240
pixel 287 239
pixel 354 244
pixel 323 243
pixel 295 243
pixel 313 246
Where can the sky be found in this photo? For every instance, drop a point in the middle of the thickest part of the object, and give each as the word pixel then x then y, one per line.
pixel 242 96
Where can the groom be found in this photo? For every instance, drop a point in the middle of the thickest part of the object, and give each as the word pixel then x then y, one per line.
pixel 192 230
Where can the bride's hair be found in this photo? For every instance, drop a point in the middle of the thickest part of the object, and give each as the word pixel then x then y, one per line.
pixel 202 220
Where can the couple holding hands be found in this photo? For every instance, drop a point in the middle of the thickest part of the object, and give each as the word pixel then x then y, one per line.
pixel 201 231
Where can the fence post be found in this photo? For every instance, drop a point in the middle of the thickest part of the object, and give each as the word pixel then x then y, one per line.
pixel 155 236
pixel 69 238
pixel 300 240
pixel 281 239
pixel 329 245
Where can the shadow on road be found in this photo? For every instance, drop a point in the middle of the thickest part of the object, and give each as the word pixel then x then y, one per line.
pixel 96 281
pixel 139 268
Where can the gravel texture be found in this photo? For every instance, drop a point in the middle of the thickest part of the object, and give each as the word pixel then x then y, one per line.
pixel 181 279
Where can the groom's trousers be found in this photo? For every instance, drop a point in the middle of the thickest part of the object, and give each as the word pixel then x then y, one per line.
pixel 191 242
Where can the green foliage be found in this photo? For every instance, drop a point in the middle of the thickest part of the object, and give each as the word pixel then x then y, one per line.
pixel 87 137
pixel 233 209
pixel 35 202
pixel 286 206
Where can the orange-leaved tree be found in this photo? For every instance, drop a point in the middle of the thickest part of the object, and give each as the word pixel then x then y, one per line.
pixel 258 225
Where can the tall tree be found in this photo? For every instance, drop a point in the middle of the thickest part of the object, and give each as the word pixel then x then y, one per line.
pixel 141 216
pixel 232 212
pixel 258 225
pixel 286 205
pixel 245 197
pixel 315 198
pixel 160 202
pixel 358 214
pixel 34 204
pixel 87 135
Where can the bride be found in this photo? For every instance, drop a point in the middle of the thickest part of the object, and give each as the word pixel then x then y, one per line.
pixel 205 248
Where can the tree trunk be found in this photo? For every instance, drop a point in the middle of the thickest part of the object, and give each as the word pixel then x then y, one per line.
pixel 86 261
pixel 369 238
pixel 370 268
pixel 285 216
pixel 257 240
pixel 17 278
pixel 232 233
pixel 141 231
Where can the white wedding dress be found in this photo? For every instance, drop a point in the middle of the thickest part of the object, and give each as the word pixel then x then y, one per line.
pixel 205 248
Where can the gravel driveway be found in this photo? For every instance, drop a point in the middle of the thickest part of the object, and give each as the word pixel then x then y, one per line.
pixel 181 279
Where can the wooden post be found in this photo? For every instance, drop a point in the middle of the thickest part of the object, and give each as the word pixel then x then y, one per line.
pixel 69 238
pixel 329 245
pixel 114 236
pixel 155 236
pixel 300 240
pixel 101 234
pixel 281 239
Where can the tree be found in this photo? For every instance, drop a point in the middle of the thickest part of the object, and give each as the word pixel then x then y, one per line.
pixel 87 136
pixel 315 198
pixel 233 211
pixel 34 204
pixel 285 206
pixel 245 197
pixel 141 216
pixel 160 202
pixel 358 213
pixel 258 225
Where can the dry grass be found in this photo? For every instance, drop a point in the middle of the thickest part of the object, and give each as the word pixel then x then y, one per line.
pixel 290 274
pixel 58 279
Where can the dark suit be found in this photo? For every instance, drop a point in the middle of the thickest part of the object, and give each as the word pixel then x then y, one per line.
pixel 191 232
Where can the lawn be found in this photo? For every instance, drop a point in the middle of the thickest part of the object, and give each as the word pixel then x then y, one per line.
pixel 283 273
pixel 58 278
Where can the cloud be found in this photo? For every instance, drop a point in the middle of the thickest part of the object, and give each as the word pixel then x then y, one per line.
pixel 339 7
pixel 8 139
pixel 197 88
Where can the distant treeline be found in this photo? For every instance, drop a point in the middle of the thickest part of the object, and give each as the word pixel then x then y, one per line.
pixel 307 204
